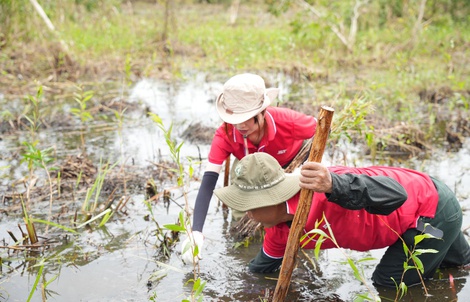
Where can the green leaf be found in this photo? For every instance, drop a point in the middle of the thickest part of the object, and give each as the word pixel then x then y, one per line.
pixel 186 247
pixel 54 224
pixel 200 287
pixel 356 272
pixel 406 249
pixel 36 281
pixel 418 263
pixel 155 118
pixel 318 246
pixel 174 227
pixel 426 251
pixel 403 289
pixel 105 218
pixel 317 231
pixel 367 259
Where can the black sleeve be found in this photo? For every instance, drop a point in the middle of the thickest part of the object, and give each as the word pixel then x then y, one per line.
pixel 376 194
pixel 262 263
pixel 204 195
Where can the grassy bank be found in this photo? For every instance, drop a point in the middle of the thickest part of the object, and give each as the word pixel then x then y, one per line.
pixel 409 63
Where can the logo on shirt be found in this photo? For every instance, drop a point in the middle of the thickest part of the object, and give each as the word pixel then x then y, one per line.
pixel 282 151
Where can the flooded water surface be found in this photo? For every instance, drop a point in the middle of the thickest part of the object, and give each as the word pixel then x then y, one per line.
pixel 124 260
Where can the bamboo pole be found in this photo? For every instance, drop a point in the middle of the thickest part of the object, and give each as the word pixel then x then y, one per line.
pixel 303 209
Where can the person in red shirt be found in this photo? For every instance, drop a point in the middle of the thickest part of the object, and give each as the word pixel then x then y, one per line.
pixel 250 125
pixel 366 208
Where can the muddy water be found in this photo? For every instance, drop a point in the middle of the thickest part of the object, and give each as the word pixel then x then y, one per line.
pixel 122 261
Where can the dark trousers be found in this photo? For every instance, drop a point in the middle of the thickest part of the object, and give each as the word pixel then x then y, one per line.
pixel 452 250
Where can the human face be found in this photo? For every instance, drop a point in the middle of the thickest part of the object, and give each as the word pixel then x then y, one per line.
pixel 247 127
pixel 270 216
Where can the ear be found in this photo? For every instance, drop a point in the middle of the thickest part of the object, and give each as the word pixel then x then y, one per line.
pixel 260 117
pixel 263 113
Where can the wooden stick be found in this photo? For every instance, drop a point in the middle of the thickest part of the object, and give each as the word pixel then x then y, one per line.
pixel 303 209
pixel 227 171
pixel 226 178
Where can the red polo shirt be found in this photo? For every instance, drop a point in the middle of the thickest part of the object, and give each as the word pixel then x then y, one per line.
pixel 286 131
pixel 357 229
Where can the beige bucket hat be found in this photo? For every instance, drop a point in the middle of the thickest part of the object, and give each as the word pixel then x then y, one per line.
pixel 244 96
pixel 259 181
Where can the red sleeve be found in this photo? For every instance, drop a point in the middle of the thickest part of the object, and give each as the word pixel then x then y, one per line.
pixel 304 125
pixel 297 125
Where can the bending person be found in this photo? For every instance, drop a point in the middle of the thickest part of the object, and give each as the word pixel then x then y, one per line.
pixel 366 208
pixel 250 125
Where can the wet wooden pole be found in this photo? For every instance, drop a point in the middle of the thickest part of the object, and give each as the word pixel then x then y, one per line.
pixel 227 171
pixel 226 181
pixel 305 202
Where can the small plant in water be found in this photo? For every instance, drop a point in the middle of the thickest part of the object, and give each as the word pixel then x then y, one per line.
pixel 81 98
pixel 90 204
pixel 32 155
pixel 184 224
pixel 358 274
pixel 39 159
pixel 412 257
pixel 32 112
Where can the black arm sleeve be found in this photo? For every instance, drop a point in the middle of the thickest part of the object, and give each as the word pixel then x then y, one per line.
pixel 264 264
pixel 203 199
pixel 376 194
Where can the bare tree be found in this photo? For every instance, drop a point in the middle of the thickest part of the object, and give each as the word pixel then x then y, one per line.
pixel 49 24
pixel 234 11
pixel 348 40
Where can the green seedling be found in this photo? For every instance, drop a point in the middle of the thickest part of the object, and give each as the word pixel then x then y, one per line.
pixel 91 201
pixel 32 112
pixel 320 235
pixel 82 112
pixel 412 257
pixel 36 158
pixel 184 224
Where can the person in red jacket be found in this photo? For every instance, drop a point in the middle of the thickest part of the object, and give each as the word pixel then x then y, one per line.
pixel 250 125
pixel 366 208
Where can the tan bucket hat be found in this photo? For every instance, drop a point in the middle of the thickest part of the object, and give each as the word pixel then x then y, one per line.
pixel 259 181
pixel 244 96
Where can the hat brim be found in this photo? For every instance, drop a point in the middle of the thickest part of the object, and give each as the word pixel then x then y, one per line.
pixel 242 200
pixel 238 118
